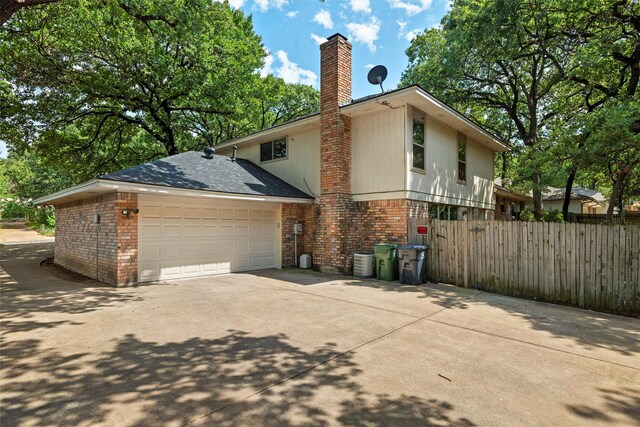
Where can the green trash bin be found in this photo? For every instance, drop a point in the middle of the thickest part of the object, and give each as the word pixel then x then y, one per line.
pixel 386 261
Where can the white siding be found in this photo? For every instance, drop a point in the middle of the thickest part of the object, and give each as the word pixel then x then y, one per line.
pixel 301 164
pixel 439 183
pixel 377 153
pixel 575 206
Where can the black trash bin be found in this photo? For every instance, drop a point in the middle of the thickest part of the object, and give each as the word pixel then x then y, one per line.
pixel 412 264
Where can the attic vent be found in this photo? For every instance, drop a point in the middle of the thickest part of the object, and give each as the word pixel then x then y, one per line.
pixel 209 152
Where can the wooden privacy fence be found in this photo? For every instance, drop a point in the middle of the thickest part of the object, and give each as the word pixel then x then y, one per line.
pixel 589 266
pixel 630 218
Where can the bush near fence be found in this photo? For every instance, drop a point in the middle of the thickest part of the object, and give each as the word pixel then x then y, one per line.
pixel 589 266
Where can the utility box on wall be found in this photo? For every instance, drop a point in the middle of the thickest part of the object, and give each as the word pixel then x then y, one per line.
pixel 297 228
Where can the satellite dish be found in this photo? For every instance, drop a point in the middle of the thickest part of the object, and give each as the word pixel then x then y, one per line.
pixel 377 75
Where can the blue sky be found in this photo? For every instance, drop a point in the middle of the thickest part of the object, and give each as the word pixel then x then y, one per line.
pixel 379 30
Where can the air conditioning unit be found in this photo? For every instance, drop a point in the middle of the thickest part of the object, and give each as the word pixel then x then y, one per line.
pixel 305 261
pixel 364 265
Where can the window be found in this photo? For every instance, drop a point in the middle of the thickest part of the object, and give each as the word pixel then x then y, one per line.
pixel 462 157
pixel 418 144
pixel 444 212
pixel 273 150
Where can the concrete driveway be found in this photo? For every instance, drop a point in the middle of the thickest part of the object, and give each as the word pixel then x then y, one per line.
pixel 301 348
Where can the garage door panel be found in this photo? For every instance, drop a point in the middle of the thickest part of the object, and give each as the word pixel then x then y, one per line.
pixel 171 250
pixel 210 213
pixel 192 250
pixel 255 246
pixel 242 231
pixel 170 271
pixel 191 213
pixel 171 231
pixel 241 247
pixel 189 240
pixel 209 231
pixel 226 231
pixel 242 214
pixel 150 251
pixel 150 231
pixel 268 215
pixel 211 248
pixel 170 212
pixel 191 231
pixel 151 211
pixel 226 214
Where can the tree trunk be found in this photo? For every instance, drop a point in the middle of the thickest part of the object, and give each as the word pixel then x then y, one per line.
pixel 616 193
pixel 537 196
pixel 567 193
pixel 503 172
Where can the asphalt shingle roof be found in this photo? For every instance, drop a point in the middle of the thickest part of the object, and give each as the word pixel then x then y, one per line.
pixel 576 193
pixel 191 170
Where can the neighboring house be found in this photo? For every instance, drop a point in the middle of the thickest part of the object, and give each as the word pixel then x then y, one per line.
pixel 356 173
pixel 509 203
pixel 583 201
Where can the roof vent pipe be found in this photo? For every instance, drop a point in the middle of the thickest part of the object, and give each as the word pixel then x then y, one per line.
pixel 235 149
pixel 209 152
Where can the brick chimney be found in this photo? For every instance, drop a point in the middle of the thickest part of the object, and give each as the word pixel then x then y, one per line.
pixel 335 90
pixel 334 240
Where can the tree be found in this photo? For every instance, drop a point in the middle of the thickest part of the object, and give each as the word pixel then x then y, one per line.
pixel 505 55
pixel 606 41
pixel 86 72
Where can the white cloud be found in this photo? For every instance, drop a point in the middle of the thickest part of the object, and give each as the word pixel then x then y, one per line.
pixel 268 64
pixel 292 14
pixel 323 18
pixel 366 33
pixel 361 6
pixel 369 66
pixel 401 26
pixel 411 7
pixel 290 72
pixel 318 39
pixel 412 34
pixel 265 5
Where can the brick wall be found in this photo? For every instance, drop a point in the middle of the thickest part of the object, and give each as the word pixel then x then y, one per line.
pixel 292 213
pixel 334 220
pixel 107 251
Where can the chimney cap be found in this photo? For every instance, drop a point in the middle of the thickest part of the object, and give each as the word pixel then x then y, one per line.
pixel 336 35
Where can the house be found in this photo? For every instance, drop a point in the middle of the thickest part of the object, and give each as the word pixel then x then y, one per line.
pixel 509 203
pixel 583 200
pixel 356 173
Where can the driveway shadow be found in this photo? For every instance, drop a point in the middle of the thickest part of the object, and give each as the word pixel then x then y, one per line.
pixel 27 291
pixel 586 328
pixel 235 379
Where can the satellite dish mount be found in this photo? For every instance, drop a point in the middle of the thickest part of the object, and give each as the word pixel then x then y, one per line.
pixel 377 75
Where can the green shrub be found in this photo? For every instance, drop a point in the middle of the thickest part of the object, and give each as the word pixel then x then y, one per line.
pixel 554 215
pixel 527 215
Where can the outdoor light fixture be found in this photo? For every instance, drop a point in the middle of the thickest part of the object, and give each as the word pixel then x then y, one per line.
pixel 127 211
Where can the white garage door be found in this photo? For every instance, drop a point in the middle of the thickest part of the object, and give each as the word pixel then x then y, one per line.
pixel 182 237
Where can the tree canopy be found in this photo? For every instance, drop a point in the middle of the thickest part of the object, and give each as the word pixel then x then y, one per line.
pixel 531 71
pixel 99 85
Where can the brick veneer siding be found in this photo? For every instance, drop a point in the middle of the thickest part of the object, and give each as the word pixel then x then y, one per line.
pixel 387 221
pixel 334 219
pixel 292 213
pixel 114 242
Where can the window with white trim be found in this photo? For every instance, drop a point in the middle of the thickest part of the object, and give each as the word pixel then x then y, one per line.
pixel 273 150
pixel 462 158
pixel 418 143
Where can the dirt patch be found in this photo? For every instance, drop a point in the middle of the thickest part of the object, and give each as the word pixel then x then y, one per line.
pixel 63 273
